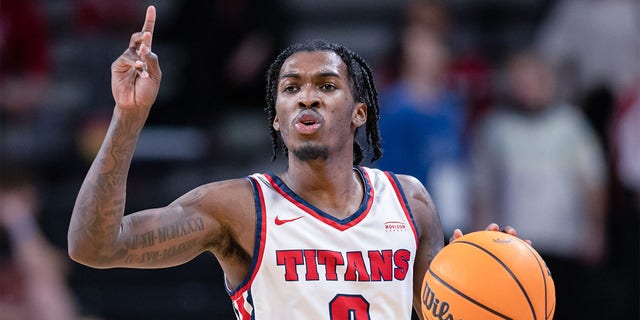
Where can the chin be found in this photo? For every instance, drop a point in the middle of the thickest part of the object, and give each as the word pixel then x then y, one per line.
pixel 310 152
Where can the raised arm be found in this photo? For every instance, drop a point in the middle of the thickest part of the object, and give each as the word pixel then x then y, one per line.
pixel 99 233
pixel 430 228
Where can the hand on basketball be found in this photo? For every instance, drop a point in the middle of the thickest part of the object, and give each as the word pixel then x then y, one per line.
pixel 135 75
pixel 457 233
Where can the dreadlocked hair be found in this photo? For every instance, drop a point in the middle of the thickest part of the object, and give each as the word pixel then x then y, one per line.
pixel 362 88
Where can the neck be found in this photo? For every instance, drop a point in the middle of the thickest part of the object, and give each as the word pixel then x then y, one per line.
pixel 329 174
pixel 332 186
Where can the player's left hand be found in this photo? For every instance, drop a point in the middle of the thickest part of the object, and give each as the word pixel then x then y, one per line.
pixel 136 74
pixel 457 233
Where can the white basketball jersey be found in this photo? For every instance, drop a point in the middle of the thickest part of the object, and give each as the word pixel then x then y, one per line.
pixel 309 265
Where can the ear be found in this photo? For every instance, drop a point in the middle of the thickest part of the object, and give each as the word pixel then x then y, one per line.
pixel 359 114
pixel 276 123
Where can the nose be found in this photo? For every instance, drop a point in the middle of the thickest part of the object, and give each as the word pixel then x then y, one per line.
pixel 308 98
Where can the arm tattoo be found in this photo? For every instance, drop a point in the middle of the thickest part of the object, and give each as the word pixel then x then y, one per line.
pixel 97 215
pixel 164 233
pixel 159 255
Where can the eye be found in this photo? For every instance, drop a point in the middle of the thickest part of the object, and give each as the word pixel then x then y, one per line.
pixel 328 87
pixel 291 88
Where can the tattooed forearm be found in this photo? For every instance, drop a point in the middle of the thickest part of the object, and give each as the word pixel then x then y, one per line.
pixel 97 215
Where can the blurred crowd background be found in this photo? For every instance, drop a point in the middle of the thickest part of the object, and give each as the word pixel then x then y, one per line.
pixel 521 112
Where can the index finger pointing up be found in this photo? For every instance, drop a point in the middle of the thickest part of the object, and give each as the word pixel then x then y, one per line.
pixel 150 20
pixel 149 24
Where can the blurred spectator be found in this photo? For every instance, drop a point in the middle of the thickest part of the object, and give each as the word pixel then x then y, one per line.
pixel 32 272
pixel 591 43
pixel 471 76
pixel 595 46
pixel 430 14
pixel 538 166
pixel 624 220
pixel 422 121
pixel 626 139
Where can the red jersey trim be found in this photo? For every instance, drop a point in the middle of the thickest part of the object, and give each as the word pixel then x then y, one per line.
pixel 402 199
pixel 240 294
pixel 340 224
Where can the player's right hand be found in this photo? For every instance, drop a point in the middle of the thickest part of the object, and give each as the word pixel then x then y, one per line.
pixel 136 75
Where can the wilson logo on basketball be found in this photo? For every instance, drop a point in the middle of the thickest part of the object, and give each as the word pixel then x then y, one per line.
pixel 432 306
pixel 394 226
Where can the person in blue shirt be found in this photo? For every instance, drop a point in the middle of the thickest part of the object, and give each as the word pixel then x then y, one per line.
pixel 422 126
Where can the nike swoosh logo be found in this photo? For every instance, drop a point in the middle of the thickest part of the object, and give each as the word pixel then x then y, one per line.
pixel 280 222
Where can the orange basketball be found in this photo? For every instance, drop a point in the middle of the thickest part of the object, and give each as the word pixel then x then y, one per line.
pixel 488 275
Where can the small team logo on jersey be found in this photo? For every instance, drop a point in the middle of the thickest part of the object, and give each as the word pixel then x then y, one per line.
pixel 280 222
pixel 394 226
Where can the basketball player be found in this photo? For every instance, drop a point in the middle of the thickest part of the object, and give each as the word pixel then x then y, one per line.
pixel 323 240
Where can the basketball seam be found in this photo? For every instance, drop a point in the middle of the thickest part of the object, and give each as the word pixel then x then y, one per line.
pixel 544 281
pixel 460 293
pixel 526 295
pixel 553 309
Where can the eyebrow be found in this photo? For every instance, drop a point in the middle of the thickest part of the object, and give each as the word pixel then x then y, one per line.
pixel 324 74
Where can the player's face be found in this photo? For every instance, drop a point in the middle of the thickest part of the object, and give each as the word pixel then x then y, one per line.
pixel 315 110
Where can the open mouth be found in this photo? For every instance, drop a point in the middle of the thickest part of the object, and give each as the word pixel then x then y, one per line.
pixel 308 122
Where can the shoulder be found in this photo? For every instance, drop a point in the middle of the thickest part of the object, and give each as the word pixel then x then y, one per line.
pixel 415 191
pixel 229 211
pixel 411 185
pixel 224 200
pixel 214 192
pixel 420 202
pixel 428 223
